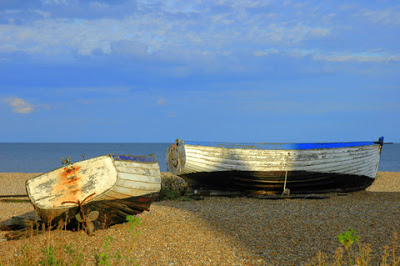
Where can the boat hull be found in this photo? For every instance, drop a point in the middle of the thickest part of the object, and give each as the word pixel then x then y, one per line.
pixel 115 186
pixel 270 168
pixel 274 182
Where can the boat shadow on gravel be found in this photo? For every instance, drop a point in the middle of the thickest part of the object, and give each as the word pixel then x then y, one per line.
pixel 297 227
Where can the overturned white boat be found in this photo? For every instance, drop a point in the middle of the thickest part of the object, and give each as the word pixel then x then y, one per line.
pixel 106 189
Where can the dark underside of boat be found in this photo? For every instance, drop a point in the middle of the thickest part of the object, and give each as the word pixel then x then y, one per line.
pixel 111 212
pixel 273 182
pixel 115 211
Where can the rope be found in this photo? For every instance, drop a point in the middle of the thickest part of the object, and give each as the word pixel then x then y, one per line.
pixel 286 191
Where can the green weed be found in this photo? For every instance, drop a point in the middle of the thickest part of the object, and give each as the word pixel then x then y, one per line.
pixel 358 254
pixel 104 257
pixel 50 257
pixel 167 193
pixel 347 239
pixel 107 258
pixel 57 252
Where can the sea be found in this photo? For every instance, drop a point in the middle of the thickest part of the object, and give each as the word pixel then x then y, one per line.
pixel 44 157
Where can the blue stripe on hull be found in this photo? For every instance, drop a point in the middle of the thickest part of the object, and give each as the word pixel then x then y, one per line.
pixel 141 159
pixel 281 146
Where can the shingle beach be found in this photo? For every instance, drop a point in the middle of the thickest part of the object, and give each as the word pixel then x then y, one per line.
pixel 229 231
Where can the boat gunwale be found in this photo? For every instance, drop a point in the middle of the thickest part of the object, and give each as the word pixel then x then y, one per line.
pixel 281 146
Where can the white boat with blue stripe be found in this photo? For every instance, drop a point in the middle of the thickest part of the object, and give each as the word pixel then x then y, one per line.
pixel 273 168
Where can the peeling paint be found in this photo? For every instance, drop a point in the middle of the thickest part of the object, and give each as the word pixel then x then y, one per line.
pixel 95 184
pixel 68 184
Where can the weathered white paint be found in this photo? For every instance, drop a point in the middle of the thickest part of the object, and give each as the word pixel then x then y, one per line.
pixel 107 178
pixel 51 189
pixel 140 178
pixel 360 160
pixel 131 184
pixel 143 168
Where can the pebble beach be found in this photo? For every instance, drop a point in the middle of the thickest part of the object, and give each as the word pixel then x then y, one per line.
pixel 226 230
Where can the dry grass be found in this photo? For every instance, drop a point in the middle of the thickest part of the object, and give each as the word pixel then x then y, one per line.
pixel 61 247
pixel 354 252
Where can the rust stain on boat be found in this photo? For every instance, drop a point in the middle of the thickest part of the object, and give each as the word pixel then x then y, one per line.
pixel 69 174
pixel 68 187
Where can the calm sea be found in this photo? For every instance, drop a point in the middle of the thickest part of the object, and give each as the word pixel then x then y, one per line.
pixel 43 157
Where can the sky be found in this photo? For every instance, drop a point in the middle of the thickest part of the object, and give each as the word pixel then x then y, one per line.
pixel 212 70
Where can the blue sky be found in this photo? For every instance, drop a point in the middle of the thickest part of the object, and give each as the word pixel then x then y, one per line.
pixel 154 71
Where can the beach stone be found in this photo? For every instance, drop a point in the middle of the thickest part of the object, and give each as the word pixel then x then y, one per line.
pixel 174 182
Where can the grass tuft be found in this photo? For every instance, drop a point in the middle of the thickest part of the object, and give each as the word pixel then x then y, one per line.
pixel 354 252
pixel 55 252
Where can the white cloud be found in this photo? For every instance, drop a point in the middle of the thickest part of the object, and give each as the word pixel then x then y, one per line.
pixel 42 13
pixel 266 52
pixel 58 36
pixel 161 101
pixel 388 16
pixel 361 57
pixel 357 57
pixel 55 2
pixel 194 32
pixel 19 105
pixel 154 29
pixel 290 35
pixel 171 115
pixel 111 90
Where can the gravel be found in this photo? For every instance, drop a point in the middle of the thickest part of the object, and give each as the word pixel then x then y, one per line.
pixel 229 231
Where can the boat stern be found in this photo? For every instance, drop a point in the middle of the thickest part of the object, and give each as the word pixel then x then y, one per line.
pixel 176 157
